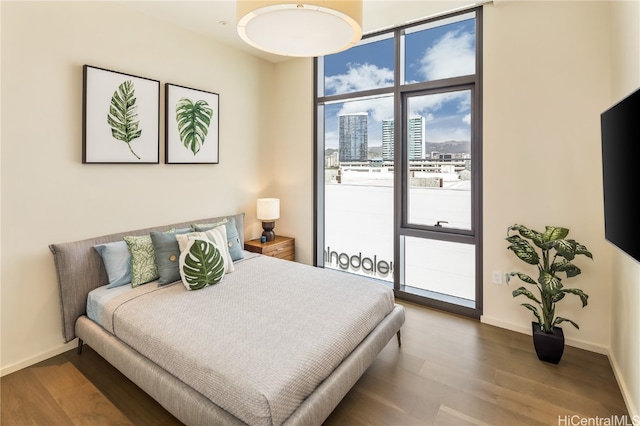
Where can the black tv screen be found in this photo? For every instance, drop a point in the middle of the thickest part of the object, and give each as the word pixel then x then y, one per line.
pixel 620 128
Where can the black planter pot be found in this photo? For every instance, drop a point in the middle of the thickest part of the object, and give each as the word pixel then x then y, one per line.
pixel 549 346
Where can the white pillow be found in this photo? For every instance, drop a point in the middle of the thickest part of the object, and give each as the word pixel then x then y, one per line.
pixel 217 236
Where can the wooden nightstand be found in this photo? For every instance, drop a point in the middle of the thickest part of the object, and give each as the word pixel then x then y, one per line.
pixel 281 247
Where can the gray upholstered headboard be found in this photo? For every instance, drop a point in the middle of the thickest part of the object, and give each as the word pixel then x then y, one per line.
pixel 80 269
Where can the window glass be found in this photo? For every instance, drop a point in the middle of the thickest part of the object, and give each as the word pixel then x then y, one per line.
pixel 355 127
pixel 370 65
pixel 439 159
pixel 358 188
pixel 439 50
pixel 441 267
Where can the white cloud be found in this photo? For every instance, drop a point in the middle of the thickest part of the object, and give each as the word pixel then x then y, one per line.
pixel 422 105
pixel 378 108
pixel 467 119
pixel 359 77
pixel 451 55
pixel 331 139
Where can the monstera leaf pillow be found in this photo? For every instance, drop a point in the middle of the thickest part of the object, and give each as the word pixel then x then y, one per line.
pixel 201 264
pixel 218 237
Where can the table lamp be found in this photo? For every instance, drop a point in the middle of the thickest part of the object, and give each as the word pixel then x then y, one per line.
pixel 268 210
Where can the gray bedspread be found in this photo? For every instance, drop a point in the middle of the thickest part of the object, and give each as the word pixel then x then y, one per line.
pixel 258 343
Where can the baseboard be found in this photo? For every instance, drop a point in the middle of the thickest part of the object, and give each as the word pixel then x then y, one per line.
pixel 624 389
pixel 634 415
pixel 576 343
pixel 36 359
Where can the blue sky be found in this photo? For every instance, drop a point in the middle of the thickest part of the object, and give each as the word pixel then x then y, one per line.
pixel 431 54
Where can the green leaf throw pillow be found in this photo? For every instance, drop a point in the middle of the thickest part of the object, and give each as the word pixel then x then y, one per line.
pixel 201 264
pixel 218 237
pixel 143 260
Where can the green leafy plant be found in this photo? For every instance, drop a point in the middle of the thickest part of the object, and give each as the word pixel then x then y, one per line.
pixel 554 255
pixel 201 264
pixel 193 123
pixel 122 115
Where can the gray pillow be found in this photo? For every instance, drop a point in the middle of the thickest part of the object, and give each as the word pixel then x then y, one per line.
pixel 167 255
pixel 233 238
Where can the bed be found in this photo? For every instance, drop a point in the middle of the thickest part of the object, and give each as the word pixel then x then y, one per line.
pixel 273 343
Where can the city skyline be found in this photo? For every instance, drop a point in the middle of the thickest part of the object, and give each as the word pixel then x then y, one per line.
pixel 428 56
pixel 354 147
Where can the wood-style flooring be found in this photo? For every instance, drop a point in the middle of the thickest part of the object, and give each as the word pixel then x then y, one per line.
pixel 450 370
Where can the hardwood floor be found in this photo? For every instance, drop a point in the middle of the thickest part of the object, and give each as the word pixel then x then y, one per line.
pixel 449 371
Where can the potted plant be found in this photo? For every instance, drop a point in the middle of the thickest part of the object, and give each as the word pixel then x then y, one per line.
pixel 553 256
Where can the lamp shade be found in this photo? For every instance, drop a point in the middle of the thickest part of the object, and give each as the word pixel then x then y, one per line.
pixel 300 28
pixel 268 209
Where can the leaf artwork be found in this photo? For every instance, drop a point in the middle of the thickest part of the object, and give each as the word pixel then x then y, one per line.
pixel 201 264
pixel 123 117
pixel 193 123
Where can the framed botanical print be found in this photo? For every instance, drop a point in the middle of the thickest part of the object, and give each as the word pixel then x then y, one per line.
pixel 191 125
pixel 120 118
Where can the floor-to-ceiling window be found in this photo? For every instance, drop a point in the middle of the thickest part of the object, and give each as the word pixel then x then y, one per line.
pixel 398 156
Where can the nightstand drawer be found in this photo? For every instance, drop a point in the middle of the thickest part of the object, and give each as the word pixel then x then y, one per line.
pixel 281 247
pixel 286 252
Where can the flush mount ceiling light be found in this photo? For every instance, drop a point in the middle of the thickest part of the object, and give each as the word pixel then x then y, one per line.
pixel 307 28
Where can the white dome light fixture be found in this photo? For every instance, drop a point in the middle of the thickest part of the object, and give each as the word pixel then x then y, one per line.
pixel 302 29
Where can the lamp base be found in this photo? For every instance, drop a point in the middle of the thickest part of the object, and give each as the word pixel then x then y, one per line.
pixel 268 230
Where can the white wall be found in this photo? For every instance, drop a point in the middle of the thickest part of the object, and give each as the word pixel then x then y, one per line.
pixel 546 81
pixel 292 169
pixel 48 196
pixel 625 279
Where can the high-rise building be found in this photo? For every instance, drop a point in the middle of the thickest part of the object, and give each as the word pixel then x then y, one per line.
pixel 353 143
pixel 387 139
pixel 416 133
pixel 416 138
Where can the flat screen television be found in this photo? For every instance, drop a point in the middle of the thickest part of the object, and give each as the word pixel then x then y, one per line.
pixel 620 129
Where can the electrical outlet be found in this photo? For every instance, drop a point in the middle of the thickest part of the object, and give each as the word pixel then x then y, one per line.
pixel 497 277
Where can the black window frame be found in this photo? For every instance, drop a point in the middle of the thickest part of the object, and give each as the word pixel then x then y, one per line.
pixel 400 92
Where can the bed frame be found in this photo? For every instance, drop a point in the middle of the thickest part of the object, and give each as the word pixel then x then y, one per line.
pixel 80 269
